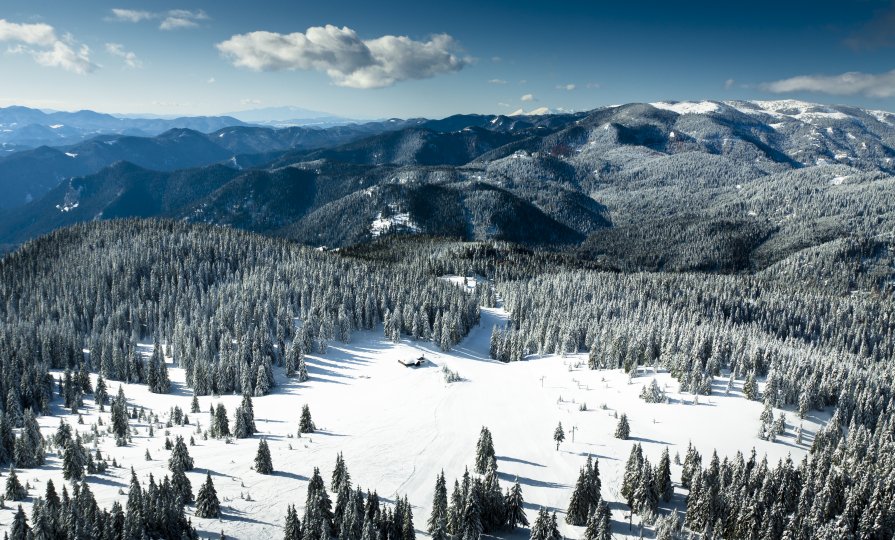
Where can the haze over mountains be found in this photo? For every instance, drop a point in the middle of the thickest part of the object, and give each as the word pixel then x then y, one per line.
pixel 696 185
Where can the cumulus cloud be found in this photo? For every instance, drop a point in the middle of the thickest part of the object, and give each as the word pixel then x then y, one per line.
pixel 347 59
pixel 41 43
pixel 728 84
pixel 172 19
pixel 880 85
pixel 527 97
pixel 130 59
pixel 567 87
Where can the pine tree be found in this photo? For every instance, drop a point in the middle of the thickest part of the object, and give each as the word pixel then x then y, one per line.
pixel 623 429
pixel 292 527
pixel 340 476
pixel 484 451
pixel 73 461
pixel 515 506
pixel 180 456
pixel 455 510
pixel 663 477
pixel 579 505
pixel 181 485
pixel 120 418
pixel 14 489
pixel 207 504
pixel 305 424
pixel 439 515
pixel 20 529
pixel 632 474
pixel 194 405
pixel 263 463
pixel 542 530
pixel 471 520
pixel 318 509
pixel 220 424
pixel 101 395
pixel 559 435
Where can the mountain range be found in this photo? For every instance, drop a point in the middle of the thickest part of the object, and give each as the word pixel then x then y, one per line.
pixel 708 185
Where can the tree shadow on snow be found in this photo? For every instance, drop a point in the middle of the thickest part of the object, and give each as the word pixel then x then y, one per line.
pixel 105 481
pixel 290 475
pixel 517 460
pixel 648 440
pixel 525 481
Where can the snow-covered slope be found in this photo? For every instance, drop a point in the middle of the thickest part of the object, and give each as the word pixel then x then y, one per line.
pixel 398 427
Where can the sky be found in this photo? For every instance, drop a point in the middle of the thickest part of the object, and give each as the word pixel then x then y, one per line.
pixel 363 59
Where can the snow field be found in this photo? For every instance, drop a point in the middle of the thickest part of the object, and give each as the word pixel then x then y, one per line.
pixel 398 427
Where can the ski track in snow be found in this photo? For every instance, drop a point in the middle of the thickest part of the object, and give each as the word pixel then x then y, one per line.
pixel 398 427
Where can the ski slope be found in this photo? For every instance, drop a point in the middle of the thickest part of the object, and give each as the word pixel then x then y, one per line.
pixel 399 426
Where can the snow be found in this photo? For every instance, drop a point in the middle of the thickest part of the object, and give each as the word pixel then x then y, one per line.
pixel 688 107
pixel 540 111
pixel 799 110
pixel 882 116
pixel 401 220
pixel 399 427
pixel 838 180
pixel 71 155
pixel 57 126
pixel 67 207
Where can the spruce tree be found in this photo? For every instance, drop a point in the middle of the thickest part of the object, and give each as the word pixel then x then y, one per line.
pixel 207 504
pixel 292 527
pixel 484 451
pixel 20 529
pixel 579 505
pixel 559 435
pixel 73 461
pixel 101 395
pixel 438 517
pixel 515 506
pixel 180 456
pixel 542 530
pixel 14 489
pixel 263 464
pixel 623 430
pixel 664 485
pixel 181 485
pixel 306 424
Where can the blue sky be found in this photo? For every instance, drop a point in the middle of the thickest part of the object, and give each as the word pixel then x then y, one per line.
pixel 383 59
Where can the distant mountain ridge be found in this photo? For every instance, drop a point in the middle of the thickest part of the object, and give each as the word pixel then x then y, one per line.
pixel 707 185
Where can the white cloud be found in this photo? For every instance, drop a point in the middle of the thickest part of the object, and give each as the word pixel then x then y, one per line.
pixel 130 58
pixel 874 85
pixel 592 85
pixel 568 87
pixel 63 56
pixel 250 101
pixel 502 104
pixel 170 20
pixel 211 80
pixel 497 81
pixel 131 15
pixel 41 43
pixel 32 34
pixel 527 97
pixel 347 59
pixel 728 84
